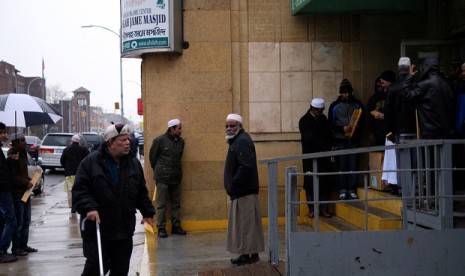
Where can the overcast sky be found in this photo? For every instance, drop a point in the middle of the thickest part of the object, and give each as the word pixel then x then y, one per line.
pixel 73 56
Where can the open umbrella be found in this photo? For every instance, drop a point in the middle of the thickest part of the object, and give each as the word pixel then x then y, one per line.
pixel 22 110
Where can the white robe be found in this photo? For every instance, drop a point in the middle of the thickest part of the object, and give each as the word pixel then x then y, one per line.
pixel 389 163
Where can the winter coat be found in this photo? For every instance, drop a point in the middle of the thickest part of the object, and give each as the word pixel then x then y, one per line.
pixel 399 113
pixel 165 158
pixel 133 144
pixel 316 136
pixel 433 98
pixel 6 177
pixel 339 115
pixel 240 169
pixel 376 127
pixel 19 169
pixel 72 156
pixel 94 190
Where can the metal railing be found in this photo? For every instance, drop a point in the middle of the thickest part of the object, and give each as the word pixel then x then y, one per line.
pixel 426 176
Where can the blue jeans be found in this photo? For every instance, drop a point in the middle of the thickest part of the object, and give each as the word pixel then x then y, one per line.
pixel 7 220
pixel 23 220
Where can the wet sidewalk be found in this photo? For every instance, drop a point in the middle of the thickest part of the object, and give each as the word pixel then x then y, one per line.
pixel 55 232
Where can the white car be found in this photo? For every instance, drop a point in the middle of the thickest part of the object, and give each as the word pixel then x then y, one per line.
pixel 33 167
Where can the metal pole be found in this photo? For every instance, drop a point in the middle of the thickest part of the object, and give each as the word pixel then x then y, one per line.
pixel 120 65
pixel 121 84
pixel 29 85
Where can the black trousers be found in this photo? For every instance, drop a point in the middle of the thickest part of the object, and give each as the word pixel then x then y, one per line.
pixel 116 257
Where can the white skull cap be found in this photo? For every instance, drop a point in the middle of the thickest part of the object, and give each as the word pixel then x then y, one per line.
pixel 173 122
pixel 234 117
pixel 75 138
pixel 404 61
pixel 318 103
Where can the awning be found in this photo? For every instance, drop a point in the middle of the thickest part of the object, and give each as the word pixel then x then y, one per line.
pixel 314 7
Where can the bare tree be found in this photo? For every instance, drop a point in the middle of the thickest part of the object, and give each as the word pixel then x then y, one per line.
pixel 55 93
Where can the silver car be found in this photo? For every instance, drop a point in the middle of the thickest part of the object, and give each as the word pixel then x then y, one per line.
pixel 51 149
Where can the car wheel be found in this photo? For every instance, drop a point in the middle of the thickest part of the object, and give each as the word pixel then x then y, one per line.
pixel 40 188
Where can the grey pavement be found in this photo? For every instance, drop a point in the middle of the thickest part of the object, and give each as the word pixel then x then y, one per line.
pixel 55 232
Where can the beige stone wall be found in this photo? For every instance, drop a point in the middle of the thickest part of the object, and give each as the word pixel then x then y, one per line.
pixel 252 57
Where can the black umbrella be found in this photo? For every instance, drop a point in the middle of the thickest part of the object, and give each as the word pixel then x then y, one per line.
pixel 22 110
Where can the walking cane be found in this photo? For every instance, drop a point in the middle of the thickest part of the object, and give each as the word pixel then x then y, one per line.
pixel 99 244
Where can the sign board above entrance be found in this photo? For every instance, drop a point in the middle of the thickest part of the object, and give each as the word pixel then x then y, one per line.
pixel 313 7
pixel 150 26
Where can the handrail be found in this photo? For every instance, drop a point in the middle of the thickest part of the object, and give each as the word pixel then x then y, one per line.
pixel 273 182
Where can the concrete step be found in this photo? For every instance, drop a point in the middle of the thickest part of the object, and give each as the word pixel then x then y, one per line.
pixel 391 205
pixel 333 224
pixel 378 219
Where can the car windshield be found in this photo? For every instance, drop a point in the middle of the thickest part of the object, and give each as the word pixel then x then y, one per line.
pixel 32 140
pixel 92 138
pixel 57 140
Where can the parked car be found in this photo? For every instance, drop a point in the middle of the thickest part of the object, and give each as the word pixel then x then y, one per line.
pixel 33 145
pixel 93 140
pixel 51 149
pixel 32 167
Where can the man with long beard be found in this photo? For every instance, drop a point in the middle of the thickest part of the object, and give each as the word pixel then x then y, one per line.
pixel 245 230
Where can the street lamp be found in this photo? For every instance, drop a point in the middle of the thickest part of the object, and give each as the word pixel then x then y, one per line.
pixel 120 64
pixel 27 90
pixel 29 85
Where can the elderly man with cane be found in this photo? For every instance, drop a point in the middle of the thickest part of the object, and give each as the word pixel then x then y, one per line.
pixel 108 188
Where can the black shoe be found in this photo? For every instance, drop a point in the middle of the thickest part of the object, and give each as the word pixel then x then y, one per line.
pixel 177 230
pixel 162 233
pixel 7 258
pixel 254 258
pixel 19 252
pixel 241 260
pixel 30 249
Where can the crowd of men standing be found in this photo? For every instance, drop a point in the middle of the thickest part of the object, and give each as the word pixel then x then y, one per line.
pixel 416 104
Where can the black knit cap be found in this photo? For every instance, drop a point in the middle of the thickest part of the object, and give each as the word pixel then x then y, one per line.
pixel 345 86
pixel 388 75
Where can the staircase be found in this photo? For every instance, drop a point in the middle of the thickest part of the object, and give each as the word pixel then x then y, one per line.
pixel 383 215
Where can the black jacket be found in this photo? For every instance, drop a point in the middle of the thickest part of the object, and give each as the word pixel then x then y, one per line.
pixel 316 136
pixel 240 169
pixel 6 177
pixel 72 157
pixel 94 190
pixel 376 127
pixel 399 112
pixel 434 100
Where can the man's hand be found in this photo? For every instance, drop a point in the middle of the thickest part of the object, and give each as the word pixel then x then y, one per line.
pixel 93 216
pixel 347 129
pixel 148 220
pixel 411 70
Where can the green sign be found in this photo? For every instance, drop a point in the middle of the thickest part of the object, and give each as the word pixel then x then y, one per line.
pixel 297 5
